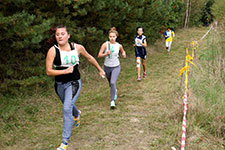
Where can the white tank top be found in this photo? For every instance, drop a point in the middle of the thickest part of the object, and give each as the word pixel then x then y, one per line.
pixel 141 38
pixel 112 60
pixel 68 58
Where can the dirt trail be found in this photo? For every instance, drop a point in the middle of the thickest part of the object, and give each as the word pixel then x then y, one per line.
pixel 148 114
pixel 142 119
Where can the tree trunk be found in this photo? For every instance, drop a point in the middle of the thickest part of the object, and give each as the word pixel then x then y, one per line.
pixel 187 15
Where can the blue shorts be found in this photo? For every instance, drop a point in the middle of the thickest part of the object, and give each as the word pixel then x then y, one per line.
pixel 140 51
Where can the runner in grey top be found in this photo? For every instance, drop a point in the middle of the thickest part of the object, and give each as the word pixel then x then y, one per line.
pixel 112 60
pixel 110 50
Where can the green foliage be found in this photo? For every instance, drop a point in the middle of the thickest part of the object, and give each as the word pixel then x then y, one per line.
pixel 25 26
pixel 196 12
pixel 207 16
pixel 162 14
pixel 218 9
pixel 208 84
pixel 200 12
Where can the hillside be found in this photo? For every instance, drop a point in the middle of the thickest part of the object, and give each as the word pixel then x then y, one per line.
pixel 148 115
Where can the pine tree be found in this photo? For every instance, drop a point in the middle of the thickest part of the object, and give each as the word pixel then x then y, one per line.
pixel 26 26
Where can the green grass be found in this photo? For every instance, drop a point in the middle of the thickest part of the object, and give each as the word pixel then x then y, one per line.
pixel 208 86
pixel 148 115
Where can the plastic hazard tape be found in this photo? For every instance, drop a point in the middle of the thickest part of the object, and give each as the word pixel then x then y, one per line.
pixel 186 68
pixel 189 59
pixel 194 45
pixel 206 33
pixel 183 139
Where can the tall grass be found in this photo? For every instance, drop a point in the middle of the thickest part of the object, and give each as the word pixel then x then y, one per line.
pixel 207 86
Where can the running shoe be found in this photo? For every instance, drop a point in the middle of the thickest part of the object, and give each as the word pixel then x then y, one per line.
pixel 144 74
pixel 77 120
pixel 112 104
pixel 63 146
pixel 139 79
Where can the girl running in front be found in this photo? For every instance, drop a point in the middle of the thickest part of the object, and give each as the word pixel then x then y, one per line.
pixel 110 50
pixel 140 52
pixel 64 56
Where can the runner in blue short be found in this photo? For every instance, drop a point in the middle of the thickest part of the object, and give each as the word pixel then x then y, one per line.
pixel 110 51
pixel 140 52
pixel 62 62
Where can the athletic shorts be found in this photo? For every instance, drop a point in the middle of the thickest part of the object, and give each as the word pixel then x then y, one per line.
pixel 140 52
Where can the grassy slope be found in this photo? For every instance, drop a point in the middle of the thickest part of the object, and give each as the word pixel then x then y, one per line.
pixel 148 115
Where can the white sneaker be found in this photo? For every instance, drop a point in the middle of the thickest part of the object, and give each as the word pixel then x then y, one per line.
pixel 62 147
pixel 112 104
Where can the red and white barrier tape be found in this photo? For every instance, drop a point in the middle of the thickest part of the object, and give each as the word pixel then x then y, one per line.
pixel 183 139
pixel 184 123
pixel 206 33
